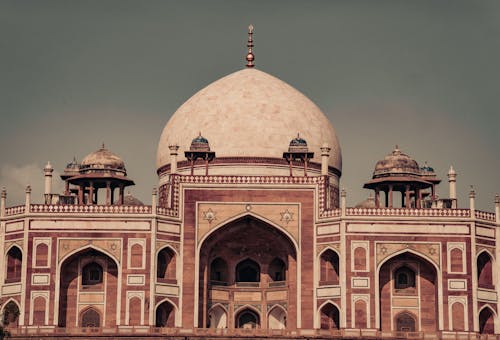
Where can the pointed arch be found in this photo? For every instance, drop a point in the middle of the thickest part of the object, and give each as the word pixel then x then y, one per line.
pixel 252 215
pixel 13 264
pixel 166 313
pixel 166 264
pixel 437 283
pixel 329 267
pixel 329 315
pixel 276 317
pixel 219 273
pixel 247 316
pixel 247 270
pixel 457 318
pixel 90 317
pixel 88 247
pixel 487 317
pixel 485 269
pixel 405 321
pixel 11 312
pixel 277 270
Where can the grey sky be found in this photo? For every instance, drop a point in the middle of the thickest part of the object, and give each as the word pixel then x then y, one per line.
pixel 421 74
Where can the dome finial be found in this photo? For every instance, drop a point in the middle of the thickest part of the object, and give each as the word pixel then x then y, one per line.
pixel 103 146
pixel 250 57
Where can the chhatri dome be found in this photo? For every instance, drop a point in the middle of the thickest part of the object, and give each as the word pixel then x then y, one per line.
pixel 249 113
pixel 103 159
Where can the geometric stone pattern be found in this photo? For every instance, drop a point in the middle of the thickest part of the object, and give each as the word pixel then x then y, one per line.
pixel 429 250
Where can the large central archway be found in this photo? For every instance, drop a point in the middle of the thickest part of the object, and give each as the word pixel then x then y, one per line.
pixel 88 275
pixel 408 293
pixel 247 262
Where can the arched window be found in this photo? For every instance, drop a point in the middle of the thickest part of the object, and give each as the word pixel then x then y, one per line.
pixel 166 265
pixel 330 316
pixel 218 272
pixel 484 270
pixel 42 252
pixel 404 279
pixel 92 275
pixel 14 265
pixel 360 258
pixel 456 260
pixel 247 319
pixel 90 318
pixel 247 271
pixel 329 271
pixel 405 322
pixel 134 311
pixel 458 317
pixel 11 314
pixel 39 305
pixel 136 256
pixel 277 270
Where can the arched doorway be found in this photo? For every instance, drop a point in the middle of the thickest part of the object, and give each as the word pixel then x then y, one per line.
pixel 247 318
pixel 11 314
pixel 95 274
pixel 485 270
pixel 247 257
pixel 486 321
pixel 217 317
pixel 90 318
pixel 166 268
pixel 165 315
pixel 14 265
pixel 329 317
pixel 405 322
pixel 277 318
pixel 406 280
pixel 329 268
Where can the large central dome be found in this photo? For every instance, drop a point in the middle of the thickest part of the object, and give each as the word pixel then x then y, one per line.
pixel 249 113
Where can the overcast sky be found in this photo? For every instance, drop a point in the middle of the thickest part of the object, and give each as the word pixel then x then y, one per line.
pixel 420 74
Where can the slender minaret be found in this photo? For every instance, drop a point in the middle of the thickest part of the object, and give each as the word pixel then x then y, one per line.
pixel 325 155
pixel 154 201
pixel 173 158
pixel 250 57
pixel 472 196
pixel 47 171
pixel 343 195
pixel 497 208
pixel 3 202
pixel 452 180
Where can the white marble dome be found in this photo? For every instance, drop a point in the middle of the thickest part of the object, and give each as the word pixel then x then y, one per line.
pixel 249 113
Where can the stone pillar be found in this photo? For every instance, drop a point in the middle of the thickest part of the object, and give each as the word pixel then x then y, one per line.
pixel 47 171
pixel 28 199
pixel 80 194
pixel 377 197
pixel 472 205
pixel 173 158
pixel 497 208
pixel 325 155
pixel 3 202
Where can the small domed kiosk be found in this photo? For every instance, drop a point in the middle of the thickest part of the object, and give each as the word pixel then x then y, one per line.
pixel 399 172
pixel 101 169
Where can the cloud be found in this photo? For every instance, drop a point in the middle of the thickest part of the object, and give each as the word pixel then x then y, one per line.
pixel 15 178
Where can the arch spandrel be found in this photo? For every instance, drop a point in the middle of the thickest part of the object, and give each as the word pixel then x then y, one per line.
pixel 17 243
pixel 431 251
pixel 214 215
pixel 162 244
pixel 321 247
pixel 108 246
pixel 491 250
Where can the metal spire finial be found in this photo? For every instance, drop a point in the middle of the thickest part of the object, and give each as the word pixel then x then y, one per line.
pixel 250 57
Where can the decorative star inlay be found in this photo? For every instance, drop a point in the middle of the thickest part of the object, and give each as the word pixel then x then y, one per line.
pixel 113 246
pixel 383 250
pixel 248 207
pixel 286 216
pixel 432 251
pixel 209 215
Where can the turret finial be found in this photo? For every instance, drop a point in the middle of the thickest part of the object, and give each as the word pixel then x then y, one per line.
pixel 250 57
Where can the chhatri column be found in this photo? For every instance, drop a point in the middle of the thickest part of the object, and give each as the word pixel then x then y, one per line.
pixel 91 193
pixel 377 197
pixel 407 197
pixel 121 195
pixel 108 193
pixel 390 195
